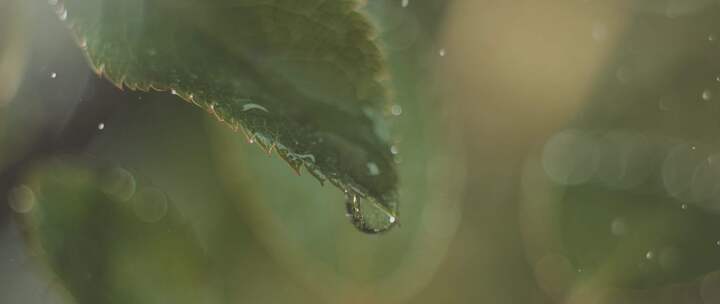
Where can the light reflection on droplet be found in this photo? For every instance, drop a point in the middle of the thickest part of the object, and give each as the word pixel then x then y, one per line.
pixel 101 126
pixel 21 199
pixel 649 255
pixel 405 3
pixel 442 52
pixel 150 205
pixel 53 75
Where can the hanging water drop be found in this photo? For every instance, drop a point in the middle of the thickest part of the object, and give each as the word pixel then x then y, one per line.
pixel 53 75
pixel 367 215
pixel 101 126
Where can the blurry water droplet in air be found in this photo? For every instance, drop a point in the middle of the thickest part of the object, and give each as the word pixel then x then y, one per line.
pixel 396 110
pixel 570 157
pixel 684 206
pixel 405 3
pixel 173 92
pixel 101 126
pixel 442 52
pixel 711 37
pixel 618 227
pixel 118 184
pixel 150 205
pixel 649 255
pixel 394 150
pixel 21 199
pixel 373 169
pixel 678 169
pixel 53 75
pixel 706 95
pixel 624 75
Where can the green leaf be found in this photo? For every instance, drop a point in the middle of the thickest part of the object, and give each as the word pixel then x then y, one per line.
pixel 111 239
pixel 303 78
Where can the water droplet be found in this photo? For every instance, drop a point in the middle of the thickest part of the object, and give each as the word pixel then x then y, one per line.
pixel 118 183
pixel 717 78
pixel 394 150
pixel 173 91
pixel 717 243
pixel 150 205
pixel 53 75
pixel 367 215
pixel 405 3
pixel 442 52
pixel 396 110
pixel 684 206
pixel 373 169
pixel 101 126
pixel 21 199
pixel 650 255
pixel 706 95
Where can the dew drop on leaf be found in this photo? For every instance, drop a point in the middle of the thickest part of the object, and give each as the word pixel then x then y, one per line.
pixel 367 216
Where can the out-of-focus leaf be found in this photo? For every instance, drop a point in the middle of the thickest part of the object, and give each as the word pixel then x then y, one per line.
pixel 300 77
pixel 109 239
